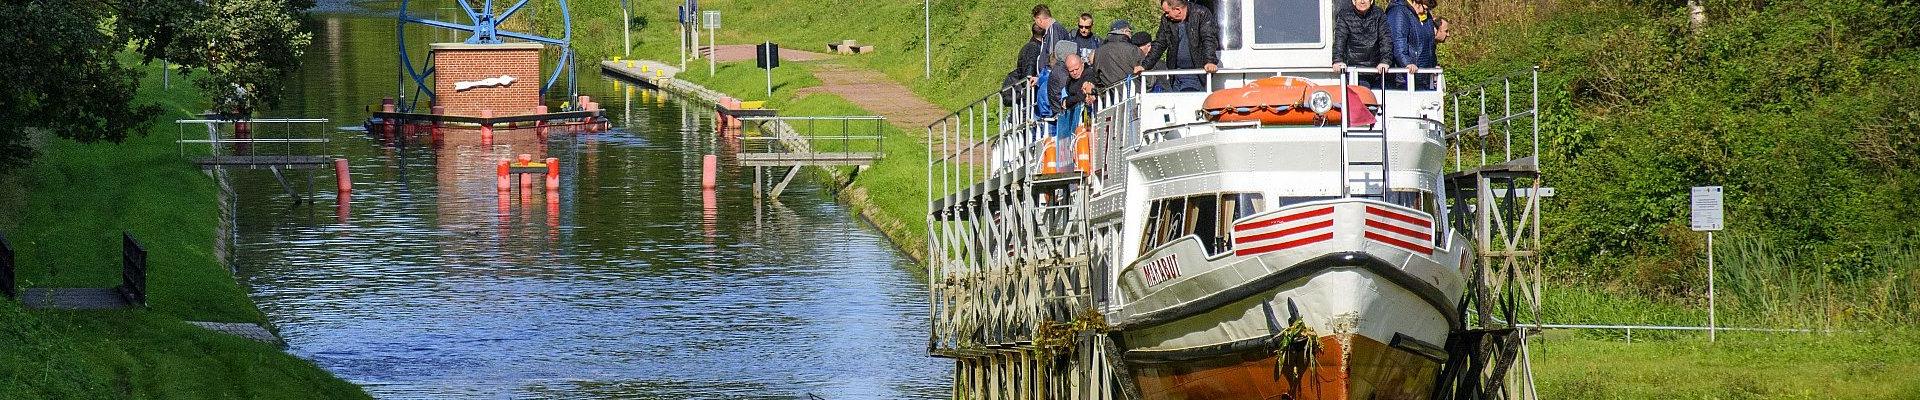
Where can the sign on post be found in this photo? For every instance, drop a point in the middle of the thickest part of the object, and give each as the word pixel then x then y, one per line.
pixel 713 19
pixel 1707 214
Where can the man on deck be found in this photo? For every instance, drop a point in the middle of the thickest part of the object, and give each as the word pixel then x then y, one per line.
pixel 1360 39
pixel 1190 39
pixel 1116 58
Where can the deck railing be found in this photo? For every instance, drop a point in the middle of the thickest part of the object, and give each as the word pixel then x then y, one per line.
pixel 1484 119
pixel 133 270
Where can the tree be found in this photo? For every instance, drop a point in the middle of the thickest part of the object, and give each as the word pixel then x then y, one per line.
pixel 64 75
pixel 248 46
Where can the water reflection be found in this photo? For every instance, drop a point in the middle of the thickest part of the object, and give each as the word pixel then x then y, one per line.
pixel 630 281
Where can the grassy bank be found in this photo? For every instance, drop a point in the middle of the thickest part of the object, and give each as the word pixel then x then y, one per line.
pixel 64 213
pixel 1875 365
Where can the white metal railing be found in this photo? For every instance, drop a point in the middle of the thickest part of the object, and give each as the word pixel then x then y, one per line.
pixel 1497 122
pixel 216 136
pixel 1629 328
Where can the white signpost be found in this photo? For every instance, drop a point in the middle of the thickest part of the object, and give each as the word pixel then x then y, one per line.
pixel 713 23
pixel 1708 216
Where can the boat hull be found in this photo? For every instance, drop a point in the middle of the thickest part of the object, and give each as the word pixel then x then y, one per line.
pixel 1347 366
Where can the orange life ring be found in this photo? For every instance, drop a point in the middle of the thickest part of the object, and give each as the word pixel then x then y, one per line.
pixel 1281 100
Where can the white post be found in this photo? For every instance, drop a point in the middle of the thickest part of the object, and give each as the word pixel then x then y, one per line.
pixel 626 29
pixel 926 32
pixel 683 46
pixel 166 74
pixel 713 51
pixel 1712 322
pixel 769 56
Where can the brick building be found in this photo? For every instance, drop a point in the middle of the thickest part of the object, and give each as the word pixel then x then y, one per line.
pixel 455 63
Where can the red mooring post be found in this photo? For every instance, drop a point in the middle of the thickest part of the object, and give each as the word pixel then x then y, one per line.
pixel 386 124
pixel 437 124
pixel 553 174
pixel 526 182
pixel 486 129
pixel 502 174
pixel 541 124
pixel 344 180
pixel 708 166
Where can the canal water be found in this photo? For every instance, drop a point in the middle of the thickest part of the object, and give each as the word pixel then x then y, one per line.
pixel 629 282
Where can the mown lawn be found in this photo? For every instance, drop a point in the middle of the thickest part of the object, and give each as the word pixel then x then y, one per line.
pixel 64 213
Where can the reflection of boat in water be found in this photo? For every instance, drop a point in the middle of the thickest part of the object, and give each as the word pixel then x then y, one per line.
pixel 1287 234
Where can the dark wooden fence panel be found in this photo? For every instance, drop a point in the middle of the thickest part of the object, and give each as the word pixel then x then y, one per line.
pixel 8 287
pixel 133 270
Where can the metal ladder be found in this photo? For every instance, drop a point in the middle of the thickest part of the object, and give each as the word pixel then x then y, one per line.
pixel 1351 136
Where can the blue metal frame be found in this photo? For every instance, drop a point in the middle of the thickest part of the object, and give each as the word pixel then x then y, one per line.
pixel 485 30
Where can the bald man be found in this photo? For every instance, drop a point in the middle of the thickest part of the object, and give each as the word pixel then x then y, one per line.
pixel 1072 94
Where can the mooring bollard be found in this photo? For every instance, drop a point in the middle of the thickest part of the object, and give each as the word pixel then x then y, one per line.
pixel 486 128
pixel 387 123
pixel 502 174
pixel 438 111
pixel 342 206
pixel 344 180
pixel 708 166
pixel 553 174
pixel 540 125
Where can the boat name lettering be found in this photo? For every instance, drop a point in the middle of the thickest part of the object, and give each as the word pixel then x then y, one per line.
pixel 1161 270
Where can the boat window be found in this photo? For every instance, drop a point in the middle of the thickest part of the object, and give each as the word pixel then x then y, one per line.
pixel 1207 217
pixel 1289 201
pixel 1286 22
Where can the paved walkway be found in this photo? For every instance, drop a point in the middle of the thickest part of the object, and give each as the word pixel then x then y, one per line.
pixel 245 330
pixel 872 90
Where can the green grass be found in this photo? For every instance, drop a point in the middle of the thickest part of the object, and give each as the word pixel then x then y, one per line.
pixel 1863 365
pixel 64 215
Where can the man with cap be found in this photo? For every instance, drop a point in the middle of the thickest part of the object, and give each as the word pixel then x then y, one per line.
pixel 1115 59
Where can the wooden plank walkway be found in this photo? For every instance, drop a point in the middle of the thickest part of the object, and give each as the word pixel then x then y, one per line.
pixel 249 331
pixel 74 298
pixel 296 162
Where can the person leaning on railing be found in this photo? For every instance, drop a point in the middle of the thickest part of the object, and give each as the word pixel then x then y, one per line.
pixel 1190 39
pixel 1026 67
pixel 1072 96
pixel 1117 57
pixel 1413 39
pixel 1360 38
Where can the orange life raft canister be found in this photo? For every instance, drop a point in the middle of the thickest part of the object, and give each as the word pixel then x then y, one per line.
pixel 1281 100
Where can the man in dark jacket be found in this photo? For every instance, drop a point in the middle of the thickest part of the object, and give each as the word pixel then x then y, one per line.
pixel 1070 91
pixel 1026 68
pixel 1083 36
pixel 1360 38
pixel 1117 57
pixel 1044 22
pixel 1190 39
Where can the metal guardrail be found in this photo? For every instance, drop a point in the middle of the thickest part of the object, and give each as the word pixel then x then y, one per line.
pixel 815 140
pixel 1486 123
pixel 1629 328
pixel 216 137
pixel 133 270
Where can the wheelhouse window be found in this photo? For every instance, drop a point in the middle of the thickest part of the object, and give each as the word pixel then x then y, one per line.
pixel 1207 217
pixel 1287 22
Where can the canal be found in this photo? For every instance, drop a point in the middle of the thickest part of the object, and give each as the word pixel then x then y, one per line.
pixel 628 283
